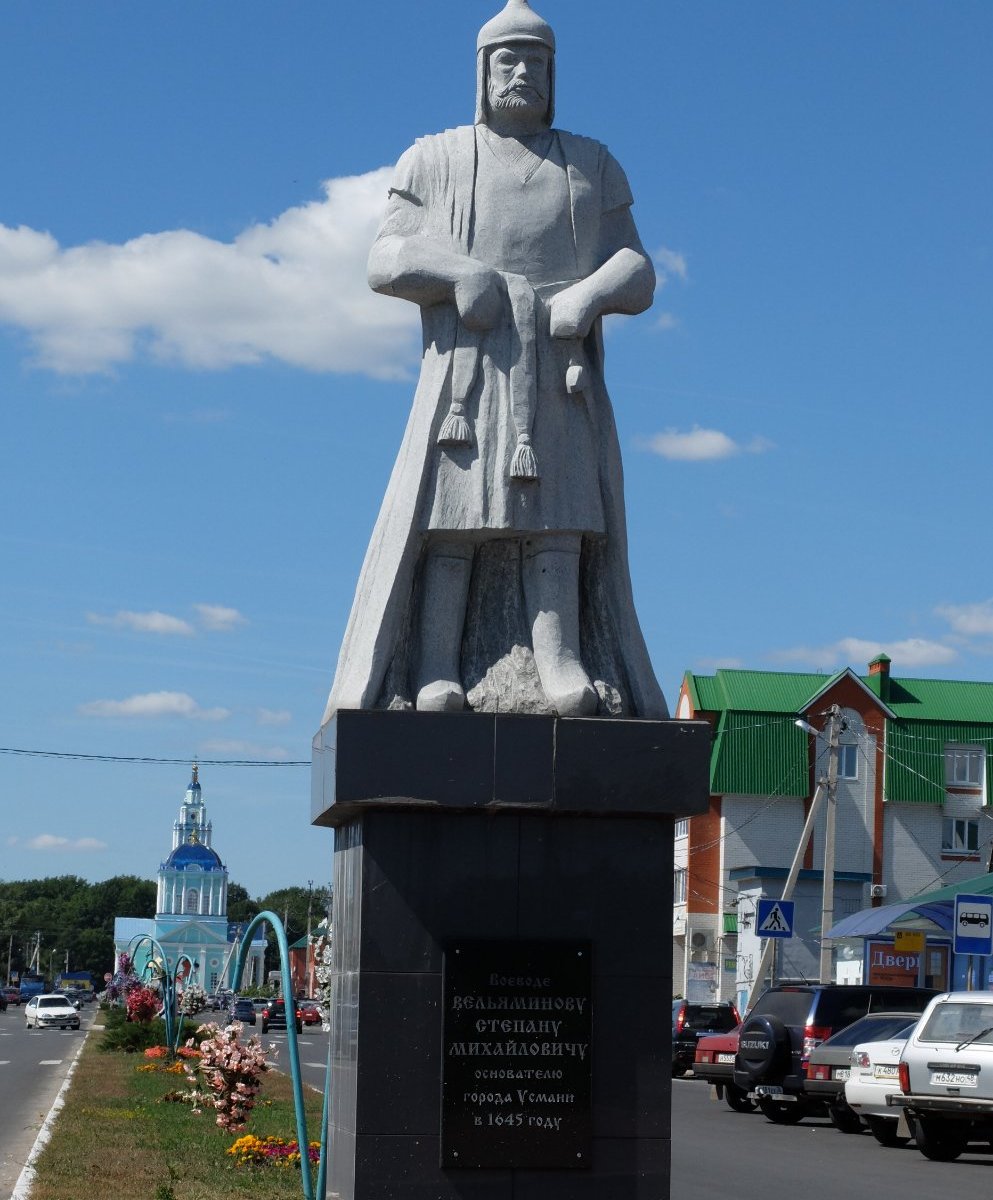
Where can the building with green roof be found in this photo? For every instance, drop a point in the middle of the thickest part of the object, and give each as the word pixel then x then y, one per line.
pixel 911 808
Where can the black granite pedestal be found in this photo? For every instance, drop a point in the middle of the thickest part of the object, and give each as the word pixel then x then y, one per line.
pixel 502 937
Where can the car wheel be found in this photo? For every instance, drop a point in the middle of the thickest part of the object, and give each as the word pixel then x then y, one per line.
pixel 781 1113
pixel 937 1141
pixel 737 1100
pixel 884 1130
pixel 844 1119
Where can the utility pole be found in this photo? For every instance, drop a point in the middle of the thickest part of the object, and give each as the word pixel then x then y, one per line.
pixel 834 728
pixel 826 788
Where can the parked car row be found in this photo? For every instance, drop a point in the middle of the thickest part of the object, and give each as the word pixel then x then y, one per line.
pixel 904 1063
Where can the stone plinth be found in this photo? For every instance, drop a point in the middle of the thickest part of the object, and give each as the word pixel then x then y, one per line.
pixel 456 829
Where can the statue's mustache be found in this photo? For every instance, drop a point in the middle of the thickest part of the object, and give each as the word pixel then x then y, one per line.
pixel 518 87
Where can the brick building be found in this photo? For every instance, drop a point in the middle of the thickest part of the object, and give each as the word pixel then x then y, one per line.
pixel 912 813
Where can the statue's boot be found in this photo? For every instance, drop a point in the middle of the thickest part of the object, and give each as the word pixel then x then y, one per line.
pixel 444 593
pixel 551 593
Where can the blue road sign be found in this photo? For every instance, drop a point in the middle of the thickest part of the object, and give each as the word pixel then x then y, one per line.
pixel 775 918
pixel 973 926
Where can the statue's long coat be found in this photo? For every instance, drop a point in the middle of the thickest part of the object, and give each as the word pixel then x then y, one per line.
pixel 439 174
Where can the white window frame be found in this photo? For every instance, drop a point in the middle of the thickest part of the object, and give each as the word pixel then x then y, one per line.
pixel 965 767
pixel 848 761
pixel 682 827
pixel 680 887
pixel 957 833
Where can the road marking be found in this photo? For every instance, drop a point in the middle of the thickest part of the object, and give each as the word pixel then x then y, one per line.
pixel 322 1066
pixel 51 1062
pixel 5 1062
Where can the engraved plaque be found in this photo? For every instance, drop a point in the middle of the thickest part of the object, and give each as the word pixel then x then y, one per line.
pixel 517 1050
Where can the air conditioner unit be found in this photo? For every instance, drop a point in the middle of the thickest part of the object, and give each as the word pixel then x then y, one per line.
pixel 699 940
pixel 878 891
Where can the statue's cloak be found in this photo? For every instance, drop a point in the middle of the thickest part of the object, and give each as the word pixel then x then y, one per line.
pixel 439 174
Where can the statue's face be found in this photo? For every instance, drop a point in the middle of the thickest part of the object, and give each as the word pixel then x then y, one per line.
pixel 519 77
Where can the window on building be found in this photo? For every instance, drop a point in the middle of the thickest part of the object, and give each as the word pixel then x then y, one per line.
pixel 213 981
pixel 682 827
pixel 959 836
pixel 848 762
pixel 964 767
pixel 679 886
pixel 192 901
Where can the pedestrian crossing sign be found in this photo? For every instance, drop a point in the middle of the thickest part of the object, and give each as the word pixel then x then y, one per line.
pixel 775 918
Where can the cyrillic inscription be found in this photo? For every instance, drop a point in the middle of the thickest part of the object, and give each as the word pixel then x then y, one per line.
pixel 516 1083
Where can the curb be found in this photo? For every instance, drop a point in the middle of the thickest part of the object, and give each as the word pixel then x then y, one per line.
pixel 22 1189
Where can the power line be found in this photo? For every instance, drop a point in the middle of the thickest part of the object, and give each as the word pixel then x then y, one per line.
pixel 171 762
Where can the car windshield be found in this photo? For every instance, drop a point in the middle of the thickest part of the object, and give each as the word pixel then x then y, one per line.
pixel 956 1022
pixel 51 1002
pixel 878 1027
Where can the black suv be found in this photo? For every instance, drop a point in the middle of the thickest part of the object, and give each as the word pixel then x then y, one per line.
pixel 788 1022
pixel 690 1022
pixel 274 1017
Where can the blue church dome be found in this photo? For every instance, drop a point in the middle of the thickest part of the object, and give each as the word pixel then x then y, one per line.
pixel 194 854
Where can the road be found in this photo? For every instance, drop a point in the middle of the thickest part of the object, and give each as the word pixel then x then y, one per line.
pixel 718 1153
pixel 313 1046
pixel 33 1064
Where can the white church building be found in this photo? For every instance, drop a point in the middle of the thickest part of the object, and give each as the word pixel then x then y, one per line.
pixel 191 907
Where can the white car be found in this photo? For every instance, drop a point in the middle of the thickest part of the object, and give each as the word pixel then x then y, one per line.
pixel 946 1076
pixel 45 1012
pixel 876 1075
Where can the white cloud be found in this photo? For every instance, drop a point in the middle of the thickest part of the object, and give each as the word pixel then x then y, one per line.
pixel 50 841
pixel 154 704
pixel 219 619
pixel 270 716
pixel 858 652
pixel 666 321
pixel 241 749
pixel 671 262
pixel 970 620
pixel 700 445
pixel 293 289
pixel 146 622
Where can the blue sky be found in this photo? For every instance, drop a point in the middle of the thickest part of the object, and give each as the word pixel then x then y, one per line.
pixel 202 400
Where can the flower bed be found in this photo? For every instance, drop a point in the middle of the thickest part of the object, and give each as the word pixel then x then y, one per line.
pixel 252 1151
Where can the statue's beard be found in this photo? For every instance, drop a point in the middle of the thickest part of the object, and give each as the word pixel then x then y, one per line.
pixel 518 98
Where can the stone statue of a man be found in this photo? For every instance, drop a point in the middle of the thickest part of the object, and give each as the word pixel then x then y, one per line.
pixel 497 574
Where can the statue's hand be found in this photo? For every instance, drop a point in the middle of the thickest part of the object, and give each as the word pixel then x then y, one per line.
pixel 570 313
pixel 479 297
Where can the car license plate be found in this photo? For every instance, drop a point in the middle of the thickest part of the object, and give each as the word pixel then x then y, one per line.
pixel 955 1078
pixel 841 1073
pixel 885 1071
pixel 725 1058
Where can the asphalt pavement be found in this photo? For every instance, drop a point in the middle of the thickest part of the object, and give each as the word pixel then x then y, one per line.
pixel 33 1065
pixel 718 1154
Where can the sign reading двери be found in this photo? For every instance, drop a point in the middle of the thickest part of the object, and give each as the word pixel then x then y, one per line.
pixel 517 1050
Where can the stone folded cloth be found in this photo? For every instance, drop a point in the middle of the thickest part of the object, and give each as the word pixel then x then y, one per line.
pixel 524 301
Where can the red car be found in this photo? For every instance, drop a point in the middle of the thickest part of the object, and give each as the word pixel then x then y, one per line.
pixel 714 1062
pixel 310 1013
pixel 12 995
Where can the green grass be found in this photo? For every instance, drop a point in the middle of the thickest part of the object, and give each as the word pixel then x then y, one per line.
pixel 116 1138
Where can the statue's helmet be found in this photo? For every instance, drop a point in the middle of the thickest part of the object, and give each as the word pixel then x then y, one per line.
pixel 516 22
